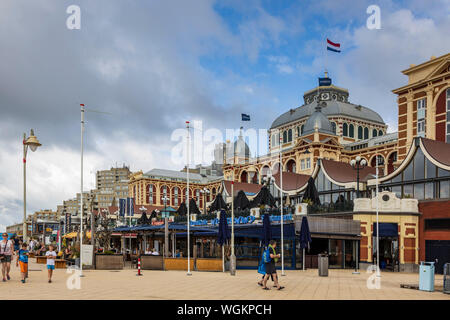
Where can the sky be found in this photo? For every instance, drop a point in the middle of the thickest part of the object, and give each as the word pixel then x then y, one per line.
pixel 152 65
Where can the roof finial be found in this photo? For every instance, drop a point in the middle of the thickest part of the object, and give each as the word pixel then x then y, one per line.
pixel 326 73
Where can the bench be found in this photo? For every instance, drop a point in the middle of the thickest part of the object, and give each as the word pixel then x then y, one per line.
pixel 59 263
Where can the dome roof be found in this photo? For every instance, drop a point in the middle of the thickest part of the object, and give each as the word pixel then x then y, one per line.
pixel 241 148
pixel 319 120
pixel 333 108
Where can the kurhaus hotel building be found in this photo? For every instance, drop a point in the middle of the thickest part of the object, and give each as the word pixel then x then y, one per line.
pixel 319 139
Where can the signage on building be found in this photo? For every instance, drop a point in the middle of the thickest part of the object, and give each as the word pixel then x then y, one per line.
pixel 324 81
pixel 240 220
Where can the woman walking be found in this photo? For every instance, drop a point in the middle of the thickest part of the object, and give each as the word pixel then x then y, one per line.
pixel 6 252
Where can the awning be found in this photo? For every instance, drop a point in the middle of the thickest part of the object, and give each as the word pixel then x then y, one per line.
pixel 70 235
pixel 386 229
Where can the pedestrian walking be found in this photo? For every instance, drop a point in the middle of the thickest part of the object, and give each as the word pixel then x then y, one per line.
pixel 51 255
pixel 22 260
pixel 270 257
pixel 6 252
pixel 262 270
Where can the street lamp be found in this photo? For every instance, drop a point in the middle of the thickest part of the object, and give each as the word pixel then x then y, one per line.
pixel 358 164
pixel 204 191
pixel 166 227
pixel 33 143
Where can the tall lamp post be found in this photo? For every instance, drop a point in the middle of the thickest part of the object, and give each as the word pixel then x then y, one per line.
pixel 357 164
pixel 188 147
pixel 166 227
pixel 281 207
pixel 33 143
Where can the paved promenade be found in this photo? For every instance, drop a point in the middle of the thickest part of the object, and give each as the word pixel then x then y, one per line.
pixel 340 284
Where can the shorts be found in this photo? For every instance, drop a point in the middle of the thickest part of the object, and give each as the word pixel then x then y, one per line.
pixel 23 267
pixel 270 268
pixel 6 259
pixel 50 267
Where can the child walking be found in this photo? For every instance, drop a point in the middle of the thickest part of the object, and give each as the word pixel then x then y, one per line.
pixel 22 260
pixel 51 255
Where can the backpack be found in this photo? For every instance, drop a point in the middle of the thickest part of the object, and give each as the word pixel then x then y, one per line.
pixel 266 256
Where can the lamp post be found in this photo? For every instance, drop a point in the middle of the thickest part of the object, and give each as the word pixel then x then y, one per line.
pixel 281 208
pixel 187 201
pixel 233 256
pixel 357 164
pixel 166 227
pixel 204 191
pixel 33 143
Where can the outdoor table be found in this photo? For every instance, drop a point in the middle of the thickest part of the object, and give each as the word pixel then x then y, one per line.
pixel 41 259
pixel 60 263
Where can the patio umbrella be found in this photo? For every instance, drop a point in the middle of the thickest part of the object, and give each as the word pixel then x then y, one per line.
pixel 305 237
pixel 143 219
pixel 311 192
pixel 241 201
pixel 223 234
pixel 193 209
pixel 218 203
pixel 154 214
pixel 267 230
pixel 182 209
pixel 263 198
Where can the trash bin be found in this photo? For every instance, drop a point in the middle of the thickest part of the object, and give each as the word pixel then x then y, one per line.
pixel 426 276
pixel 446 288
pixel 323 265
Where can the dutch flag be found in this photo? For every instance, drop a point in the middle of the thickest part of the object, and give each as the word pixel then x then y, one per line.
pixel 331 46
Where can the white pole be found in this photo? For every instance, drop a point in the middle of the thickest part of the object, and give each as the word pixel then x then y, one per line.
pixel 378 229
pixel 24 225
pixel 303 259
pixel 281 212
pixel 187 203
pixel 233 257
pixel 223 257
pixel 81 193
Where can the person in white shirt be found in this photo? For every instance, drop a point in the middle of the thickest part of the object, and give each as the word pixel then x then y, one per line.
pixel 31 245
pixel 6 252
pixel 155 253
pixel 51 256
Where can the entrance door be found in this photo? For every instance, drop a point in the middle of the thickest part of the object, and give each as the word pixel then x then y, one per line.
pixel 438 251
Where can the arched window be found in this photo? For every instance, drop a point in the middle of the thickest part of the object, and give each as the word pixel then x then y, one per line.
pixel 175 194
pixel 374 133
pixel 333 126
pixel 289 135
pixel 351 130
pixel 345 129
pixel 285 136
pixel 380 133
pixel 302 128
pixel 151 194
pixel 299 131
pixel 366 133
pixel 164 191
pixel 360 132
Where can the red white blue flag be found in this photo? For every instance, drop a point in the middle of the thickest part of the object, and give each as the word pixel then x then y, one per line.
pixel 332 46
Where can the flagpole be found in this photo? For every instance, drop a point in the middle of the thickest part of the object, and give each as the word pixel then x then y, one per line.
pixel 187 202
pixel 378 229
pixel 281 206
pixel 81 194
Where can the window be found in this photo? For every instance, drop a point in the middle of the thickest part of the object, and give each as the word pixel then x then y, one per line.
pixel 351 130
pixel 308 163
pixel 360 132
pixel 345 129
pixel 285 137
pixel 421 104
pixel 380 133
pixel 289 135
pixel 366 133
pixel 302 164
pixel 421 127
pixel 333 126
pixel 437 224
pixel 374 133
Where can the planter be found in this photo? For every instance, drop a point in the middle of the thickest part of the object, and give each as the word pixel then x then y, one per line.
pixel 211 264
pixel 152 262
pixel 177 264
pixel 109 261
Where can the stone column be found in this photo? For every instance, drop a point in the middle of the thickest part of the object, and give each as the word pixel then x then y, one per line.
pixel 409 119
pixel 430 122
